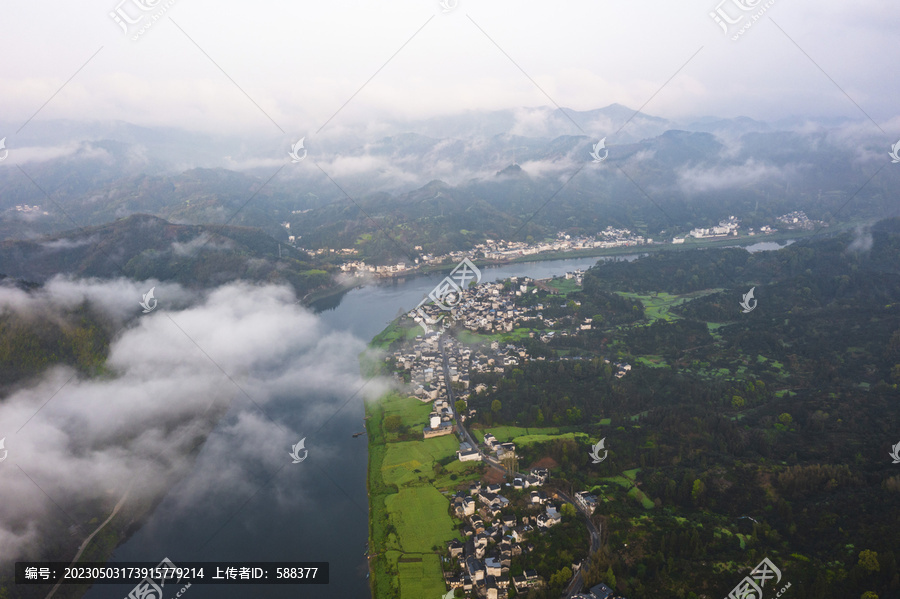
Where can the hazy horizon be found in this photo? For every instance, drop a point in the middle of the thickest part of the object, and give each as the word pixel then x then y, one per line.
pixel 316 70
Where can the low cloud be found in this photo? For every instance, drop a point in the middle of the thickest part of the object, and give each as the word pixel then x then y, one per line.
pixel 707 178
pixel 246 349
pixel 862 240
pixel 549 168
pixel 202 241
pixel 68 244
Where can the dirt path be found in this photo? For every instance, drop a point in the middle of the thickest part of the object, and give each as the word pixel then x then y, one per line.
pixel 90 538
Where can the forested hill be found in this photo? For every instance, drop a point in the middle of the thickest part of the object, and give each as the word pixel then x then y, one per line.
pixel 866 257
pixel 31 343
pixel 735 435
pixel 144 247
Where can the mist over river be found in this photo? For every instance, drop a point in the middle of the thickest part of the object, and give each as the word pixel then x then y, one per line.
pixel 316 510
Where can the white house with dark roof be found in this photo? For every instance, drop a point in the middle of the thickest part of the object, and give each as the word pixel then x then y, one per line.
pixel 493 566
pixel 587 501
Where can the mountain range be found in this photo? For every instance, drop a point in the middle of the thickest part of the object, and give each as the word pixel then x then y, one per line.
pixel 447 183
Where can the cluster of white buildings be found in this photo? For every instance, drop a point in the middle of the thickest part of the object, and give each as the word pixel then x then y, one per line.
pixel 608 238
pixel 577 275
pixel 502 250
pixel 485 307
pixel 493 535
pixel 726 227
pixel 34 209
pixel 342 252
pixel 499 250
pixel 798 220
pixel 422 359
pixel 440 421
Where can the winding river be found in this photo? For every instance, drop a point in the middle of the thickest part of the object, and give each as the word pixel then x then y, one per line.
pixel 328 521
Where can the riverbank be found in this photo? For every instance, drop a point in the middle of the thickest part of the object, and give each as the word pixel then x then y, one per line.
pixel 410 480
pixel 339 289
pixel 409 516
pixel 689 244
pixel 127 516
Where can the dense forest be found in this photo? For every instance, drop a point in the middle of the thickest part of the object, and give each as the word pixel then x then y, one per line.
pixel 143 247
pixel 32 342
pixel 748 435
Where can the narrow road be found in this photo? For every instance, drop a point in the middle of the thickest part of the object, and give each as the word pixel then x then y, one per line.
pixel 90 538
pixel 577 582
pixel 445 362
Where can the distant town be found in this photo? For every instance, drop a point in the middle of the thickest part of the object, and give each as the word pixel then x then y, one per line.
pixel 504 251
pixel 35 209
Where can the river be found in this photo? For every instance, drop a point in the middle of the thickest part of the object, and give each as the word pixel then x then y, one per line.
pixel 328 520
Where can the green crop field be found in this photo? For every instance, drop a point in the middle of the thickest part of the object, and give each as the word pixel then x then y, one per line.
pixel 402 459
pixel 413 412
pixel 509 433
pixel 421 578
pixel 656 306
pixel 619 480
pixel 652 361
pixel 464 472
pixel 469 338
pixel 564 286
pixel 641 497
pixel 405 565
pixel 420 515
pixel 529 439
pixel 394 332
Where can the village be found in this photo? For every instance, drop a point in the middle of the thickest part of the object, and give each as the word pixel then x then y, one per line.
pixel 26 209
pixel 493 250
pixel 504 251
pixel 486 308
pixel 438 368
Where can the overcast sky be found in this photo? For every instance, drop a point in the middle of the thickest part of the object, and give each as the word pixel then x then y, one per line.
pixel 301 61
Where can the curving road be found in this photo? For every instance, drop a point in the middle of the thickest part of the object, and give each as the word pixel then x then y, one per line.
pixel 577 581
